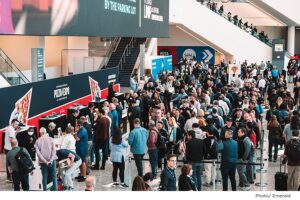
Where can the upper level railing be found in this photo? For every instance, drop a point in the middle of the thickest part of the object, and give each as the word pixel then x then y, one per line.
pixel 237 22
pixel 126 52
pixel 10 71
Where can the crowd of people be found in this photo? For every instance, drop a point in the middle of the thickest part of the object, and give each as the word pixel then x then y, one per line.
pixel 194 113
pixel 250 28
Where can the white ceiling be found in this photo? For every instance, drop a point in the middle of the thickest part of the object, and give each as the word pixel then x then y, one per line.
pixel 252 14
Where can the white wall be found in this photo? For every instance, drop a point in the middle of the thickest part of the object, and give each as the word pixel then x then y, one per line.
pixel 289 8
pixel 3 82
pixel 221 33
pixel 177 37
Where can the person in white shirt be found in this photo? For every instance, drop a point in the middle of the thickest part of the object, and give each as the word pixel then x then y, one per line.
pixel 10 134
pixel 262 85
pixel 189 123
pixel 224 105
pixel 254 72
pixel 69 140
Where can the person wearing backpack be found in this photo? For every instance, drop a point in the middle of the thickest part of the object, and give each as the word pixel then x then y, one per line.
pixel 292 152
pixel 217 120
pixel 211 154
pixel 152 147
pixel 19 172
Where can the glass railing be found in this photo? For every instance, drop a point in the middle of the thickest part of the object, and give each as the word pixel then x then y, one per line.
pixel 236 22
pixel 10 71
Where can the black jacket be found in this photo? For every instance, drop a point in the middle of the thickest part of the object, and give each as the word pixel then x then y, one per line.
pixel 186 183
pixel 195 151
pixel 168 180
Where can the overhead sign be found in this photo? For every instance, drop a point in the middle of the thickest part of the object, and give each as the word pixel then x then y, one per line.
pixel 161 64
pixel 106 18
pixel 201 53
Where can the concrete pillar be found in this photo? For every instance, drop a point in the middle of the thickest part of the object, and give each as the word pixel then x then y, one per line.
pixel 291 40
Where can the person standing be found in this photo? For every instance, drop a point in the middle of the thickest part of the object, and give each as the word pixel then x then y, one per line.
pixel 46 153
pixel 168 175
pixel 292 153
pixel 138 141
pixel 275 135
pixel 10 134
pixel 114 119
pixel 229 150
pixel 118 148
pixel 186 182
pixel 245 147
pixel 18 176
pixel 101 139
pixel 69 142
pixel 152 147
pixel 195 151
pixel 82 149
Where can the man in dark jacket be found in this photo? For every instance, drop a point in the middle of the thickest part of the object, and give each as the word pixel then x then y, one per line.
pixel 168 176
pixel 195 151
pixel 152 148
pixel 101 139
pixel 228 126
pixel 229 150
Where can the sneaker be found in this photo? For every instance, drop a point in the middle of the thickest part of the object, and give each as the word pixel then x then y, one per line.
pixel 270 159
pixel 78 177
pixel 102 168
pixel 82 179
pixel 274 160
pixel 115 184
pixel 95 167
pixel 211 183
pixel 70 189
pixel 124 185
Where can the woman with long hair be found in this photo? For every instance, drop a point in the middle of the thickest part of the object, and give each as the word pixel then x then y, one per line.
pixel 275 135
pixel 118 148
pixel 138 184
pixel 174 135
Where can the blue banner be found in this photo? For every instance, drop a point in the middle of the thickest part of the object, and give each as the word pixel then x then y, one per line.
pixel 201 53
pixel 161 64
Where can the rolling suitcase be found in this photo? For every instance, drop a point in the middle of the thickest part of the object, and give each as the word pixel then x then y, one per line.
pixel 281 179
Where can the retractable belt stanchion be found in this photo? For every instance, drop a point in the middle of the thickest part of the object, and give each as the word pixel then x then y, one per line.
pixel 261 184
pixel 129 172
pixel 214 177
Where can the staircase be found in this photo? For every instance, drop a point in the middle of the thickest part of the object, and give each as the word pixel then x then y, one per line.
pixel 125 57
pixel 10 72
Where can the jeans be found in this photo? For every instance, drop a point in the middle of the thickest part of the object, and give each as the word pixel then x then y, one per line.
pixel 197 169
pixel 7 172
pixel 250 169
pixel 104 146
pixel 153 157
pixel 46 170
pixel 93 151
pixel 275 143
pixel 139 163
pixel 68 178
pixel 242 173
pixel 121 167
pixel 22 178
pixel 228 170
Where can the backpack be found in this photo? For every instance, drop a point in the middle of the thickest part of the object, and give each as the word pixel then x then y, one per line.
pixel 24 162
pixel 293 153
pixel 216 121
pixel 212 153
pixel 160 142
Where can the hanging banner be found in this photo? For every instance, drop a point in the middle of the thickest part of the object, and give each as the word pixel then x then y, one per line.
pixel 95 89
pixel 201 53
pixel 160 65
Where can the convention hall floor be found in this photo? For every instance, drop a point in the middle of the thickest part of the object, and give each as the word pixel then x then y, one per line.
pixel 104 178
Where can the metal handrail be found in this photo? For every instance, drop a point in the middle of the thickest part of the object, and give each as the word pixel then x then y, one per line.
pixel 112 48
pixel 241 26
pixel 126 52
pixel 13 67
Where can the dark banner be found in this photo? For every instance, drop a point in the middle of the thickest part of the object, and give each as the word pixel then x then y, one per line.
pixel 27 102
pixel 106 18
pixel 201 53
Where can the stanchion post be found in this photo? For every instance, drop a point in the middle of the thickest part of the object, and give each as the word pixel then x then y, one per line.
pixel 214 177
pixel 129 172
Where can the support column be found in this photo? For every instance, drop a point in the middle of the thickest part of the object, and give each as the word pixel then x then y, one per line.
pixel 291 40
